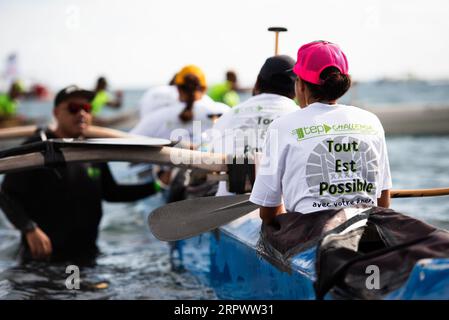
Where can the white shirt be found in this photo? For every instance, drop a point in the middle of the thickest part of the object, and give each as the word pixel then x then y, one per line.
pixel 242 130
pixel 321 157
pixel 156 98
pixel 165 123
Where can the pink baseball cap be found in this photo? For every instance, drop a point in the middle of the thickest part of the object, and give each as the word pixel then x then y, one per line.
pixel 316 56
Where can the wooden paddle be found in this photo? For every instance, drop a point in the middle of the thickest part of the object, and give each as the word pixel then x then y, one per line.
pixel 102 150
pixel 188 218
pixel 276 30
pixel 185 219
pixel 92 132
pixel 419 193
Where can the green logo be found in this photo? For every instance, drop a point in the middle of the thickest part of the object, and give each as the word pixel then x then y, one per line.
pixel 325 129
pixel 299 132
pixel 302 133
pixel 248 109
pixel 93 173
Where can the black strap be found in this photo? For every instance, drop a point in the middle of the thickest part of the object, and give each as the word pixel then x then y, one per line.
pixel 323 287
pixel 241 175
pixel 15 213
pixel 38 146
pixel 53 157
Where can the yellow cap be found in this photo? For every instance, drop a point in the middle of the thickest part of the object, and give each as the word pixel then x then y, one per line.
pixel 193 70
pixel 19 86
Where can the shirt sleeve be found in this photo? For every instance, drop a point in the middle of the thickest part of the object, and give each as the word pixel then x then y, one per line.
pixel 267 189
pixel 140 127
pixel 113 192
pixel 15 191
pixel 146 127
pixel 222 122
pixel 215 137
pixel 222 108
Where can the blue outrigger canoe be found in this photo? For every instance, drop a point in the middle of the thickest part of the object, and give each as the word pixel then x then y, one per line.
pixel 231 261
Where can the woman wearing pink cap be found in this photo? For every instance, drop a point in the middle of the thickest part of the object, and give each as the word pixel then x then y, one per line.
pixel 325 155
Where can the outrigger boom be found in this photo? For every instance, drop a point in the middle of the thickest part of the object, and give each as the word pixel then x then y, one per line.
pixel 54 152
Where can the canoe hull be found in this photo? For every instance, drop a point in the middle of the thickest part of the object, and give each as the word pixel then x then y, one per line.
pixel 230 261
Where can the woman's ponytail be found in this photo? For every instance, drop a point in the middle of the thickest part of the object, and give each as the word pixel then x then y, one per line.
pixel 190 85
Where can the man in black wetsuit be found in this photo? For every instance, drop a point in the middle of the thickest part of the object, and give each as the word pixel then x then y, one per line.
pixel 58 210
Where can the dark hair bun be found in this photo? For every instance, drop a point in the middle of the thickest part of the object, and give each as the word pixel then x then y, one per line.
pixel 334 85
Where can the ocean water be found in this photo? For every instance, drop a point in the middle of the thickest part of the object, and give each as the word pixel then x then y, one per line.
pixel 419 163
pixel 398 94
pixel 135 265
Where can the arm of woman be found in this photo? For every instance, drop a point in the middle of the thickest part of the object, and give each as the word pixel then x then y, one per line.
pixel 267 189
pixel 384 200
pixel 267 214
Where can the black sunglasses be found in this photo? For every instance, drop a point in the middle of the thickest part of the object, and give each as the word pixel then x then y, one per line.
pixel 75 107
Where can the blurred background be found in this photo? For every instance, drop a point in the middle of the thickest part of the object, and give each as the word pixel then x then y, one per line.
pixel 398 57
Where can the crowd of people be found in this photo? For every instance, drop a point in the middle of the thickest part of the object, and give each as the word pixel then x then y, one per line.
pixel 316 153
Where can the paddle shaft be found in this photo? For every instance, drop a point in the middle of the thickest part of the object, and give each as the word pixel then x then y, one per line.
pixel 189 159
pixel 276 45
pixel 276 30
pixel 419 193
pixel 102 132
pixel 92 132
pixel 159 155
pixel 17 132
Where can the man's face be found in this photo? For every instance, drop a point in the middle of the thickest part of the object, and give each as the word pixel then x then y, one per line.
pixel 73 117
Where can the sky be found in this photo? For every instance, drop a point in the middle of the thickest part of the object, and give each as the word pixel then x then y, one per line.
pixel 137 44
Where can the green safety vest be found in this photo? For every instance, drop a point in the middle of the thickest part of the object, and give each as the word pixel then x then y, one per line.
pixel 8 106
pixel 99 101
pixel 222 92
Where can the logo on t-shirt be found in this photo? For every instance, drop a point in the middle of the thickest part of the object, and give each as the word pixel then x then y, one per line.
pixel 325 129
pixel 342 171
pixel 93 173
pixel 254 109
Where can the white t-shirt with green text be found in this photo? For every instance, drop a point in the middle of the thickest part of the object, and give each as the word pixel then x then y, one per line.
pixel 323 157
pixel 156 98
pixel 165 122
pixel 243 129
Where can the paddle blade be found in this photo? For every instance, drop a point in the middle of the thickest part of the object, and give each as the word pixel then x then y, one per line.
pixel 185 219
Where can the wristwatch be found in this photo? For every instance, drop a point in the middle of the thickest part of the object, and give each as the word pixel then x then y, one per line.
pixel 29 226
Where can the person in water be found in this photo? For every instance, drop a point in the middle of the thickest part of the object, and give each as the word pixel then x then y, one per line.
pixel 226 92
pixel 9 101
pixel 58 210
pixel 325 155
pixel 102 98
